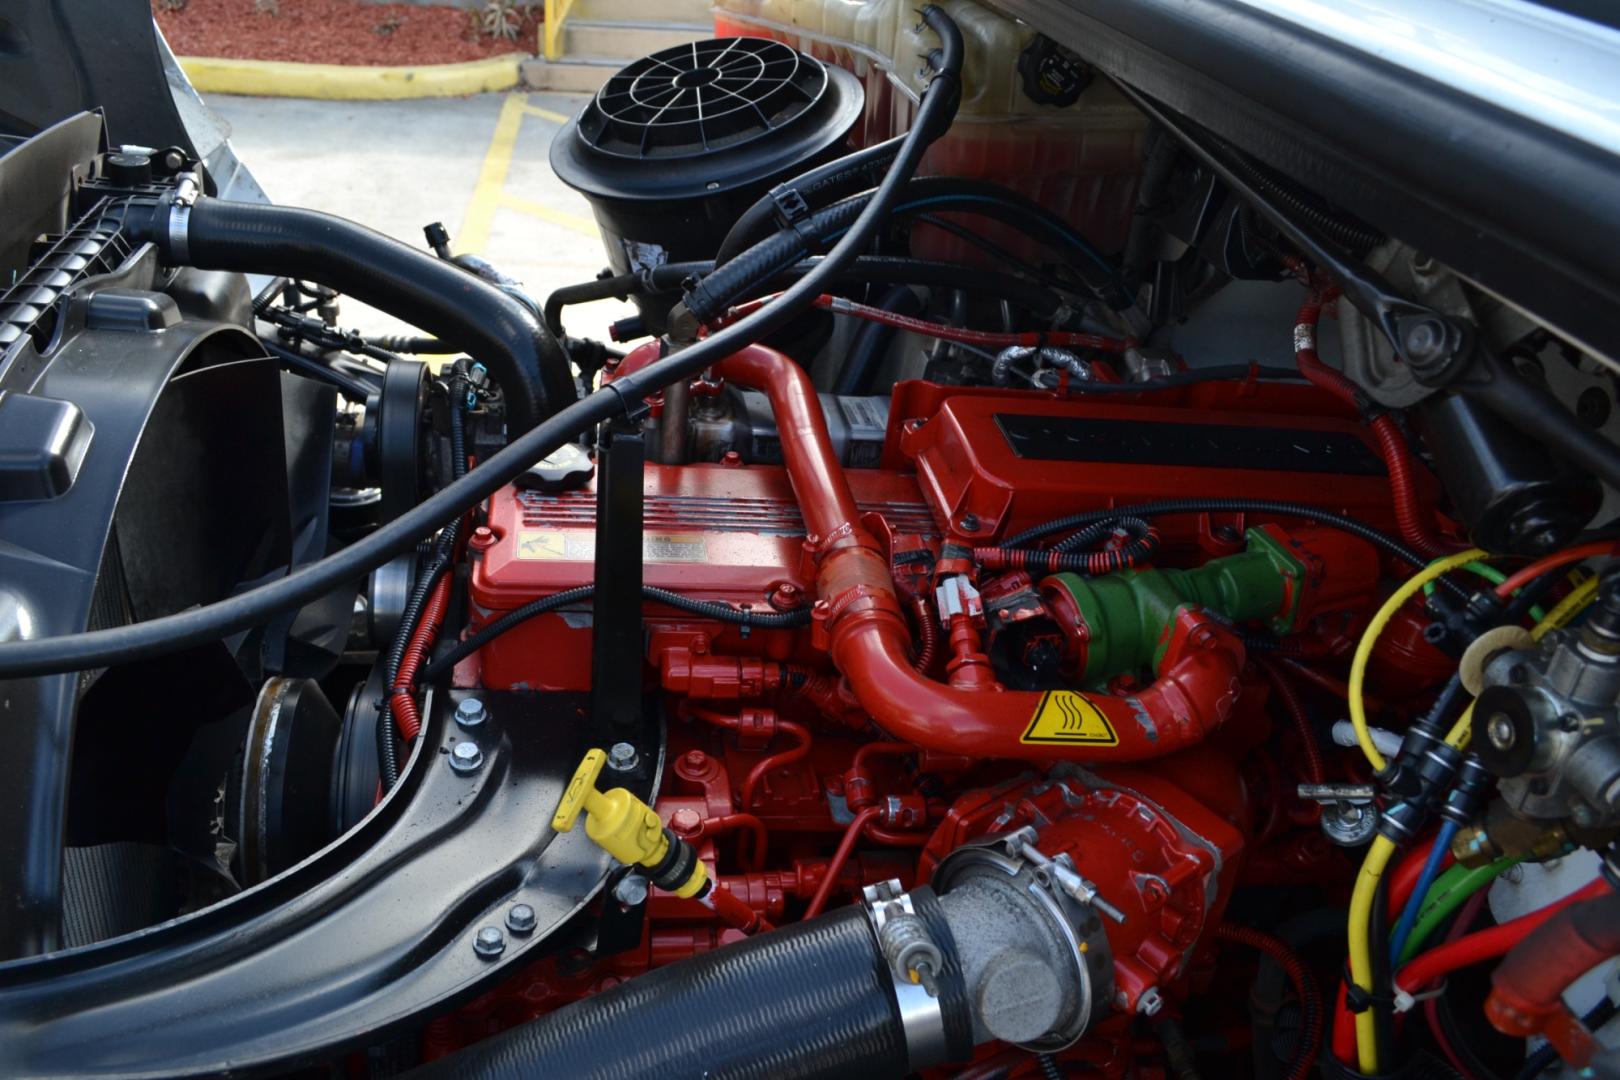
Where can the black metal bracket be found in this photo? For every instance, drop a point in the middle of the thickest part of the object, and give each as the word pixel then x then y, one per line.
pixel 616 631
pixel 363 940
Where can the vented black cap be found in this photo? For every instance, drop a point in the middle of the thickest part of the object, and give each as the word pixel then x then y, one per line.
pixel 705 118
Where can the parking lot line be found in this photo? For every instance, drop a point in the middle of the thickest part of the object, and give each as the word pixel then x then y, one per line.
pixel 475 225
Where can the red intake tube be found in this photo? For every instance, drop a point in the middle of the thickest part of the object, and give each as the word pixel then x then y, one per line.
pixel 866 633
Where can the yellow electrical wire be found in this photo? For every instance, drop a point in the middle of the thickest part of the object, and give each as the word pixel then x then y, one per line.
pixel 1361 902
pixel 1570 606
pixel 1382 849
pixel 1358 665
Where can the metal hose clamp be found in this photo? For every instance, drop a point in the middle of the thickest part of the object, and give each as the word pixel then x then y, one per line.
pixel 186 190
pixel 914 960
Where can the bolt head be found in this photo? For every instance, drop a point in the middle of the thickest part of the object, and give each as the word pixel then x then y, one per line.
pixel 471 712
pixel 1424 340
pixel 622 757
pixel 685 821
pixel 631 890
pixel 489 942
pixel 465 757
pixel 521 919
pixel 1500 731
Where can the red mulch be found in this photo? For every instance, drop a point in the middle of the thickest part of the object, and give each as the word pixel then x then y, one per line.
pixel 332 31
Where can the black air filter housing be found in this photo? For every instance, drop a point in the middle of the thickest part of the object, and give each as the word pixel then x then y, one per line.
pixel 678 144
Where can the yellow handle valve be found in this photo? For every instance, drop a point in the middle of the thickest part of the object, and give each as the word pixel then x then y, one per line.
pixel 628 829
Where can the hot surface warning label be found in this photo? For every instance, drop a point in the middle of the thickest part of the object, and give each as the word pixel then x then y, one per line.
pixel 1067 716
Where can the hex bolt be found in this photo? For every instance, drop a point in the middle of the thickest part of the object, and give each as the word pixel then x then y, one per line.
pixel 489 943
pixel 1499 729
pixel 1424 341
pixel 631 890
pixel 520 919
pixel 465 757
pixel 471 712
pixel 622 757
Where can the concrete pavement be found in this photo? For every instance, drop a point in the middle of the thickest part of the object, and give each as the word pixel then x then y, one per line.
pixel 478 164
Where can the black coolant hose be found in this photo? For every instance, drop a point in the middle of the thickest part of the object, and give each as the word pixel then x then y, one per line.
pixel 710 297
pixel 457 307
pixel 872 341
pixel 196 626
pixel 865 270
pixel 811 1000
pixel 850 173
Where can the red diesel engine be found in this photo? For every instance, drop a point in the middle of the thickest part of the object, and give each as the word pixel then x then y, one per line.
pixel 880 738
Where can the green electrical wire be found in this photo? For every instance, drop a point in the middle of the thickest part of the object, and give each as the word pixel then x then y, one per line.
pixel 1492 575
pixel 1448 893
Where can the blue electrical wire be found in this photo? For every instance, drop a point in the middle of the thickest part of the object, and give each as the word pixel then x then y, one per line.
pixel 1414 903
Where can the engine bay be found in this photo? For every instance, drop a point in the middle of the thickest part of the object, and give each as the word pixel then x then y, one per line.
pixel 1028 590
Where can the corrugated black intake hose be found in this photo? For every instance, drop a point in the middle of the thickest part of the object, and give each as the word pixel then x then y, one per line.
pixel 169 633
pixel 811 1000
pixel 465 312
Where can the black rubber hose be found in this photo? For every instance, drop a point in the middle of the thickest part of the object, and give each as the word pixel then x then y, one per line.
pixel 852 172
pixel 708 609
pixel 349 386
pixel 867 269
pixel 196 626
pixel 408 343
pixel 937 194
pixel 810 1000
pixel 871 343
pixel 466 313
pixel 1164 507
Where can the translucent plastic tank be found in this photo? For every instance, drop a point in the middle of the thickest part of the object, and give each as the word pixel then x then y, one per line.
pixel 1080 160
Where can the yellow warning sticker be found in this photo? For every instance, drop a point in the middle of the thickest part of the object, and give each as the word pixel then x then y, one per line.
pixel 580 546
pixel 1065 716
pixel 537 544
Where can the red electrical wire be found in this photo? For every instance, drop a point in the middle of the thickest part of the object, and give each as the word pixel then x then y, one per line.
pixel 927 636
pixel 1310 998
pixel 1315 770
pixel 838 305
pixel 1344 1029
pixel 1431 1008
pixel 1522 577
pixel 776 761
pixel 401 702
pixel 1410 515
pixel 1486 944
pixel 835 865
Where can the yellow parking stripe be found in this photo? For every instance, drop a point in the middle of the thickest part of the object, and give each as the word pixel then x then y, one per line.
pixel 545 114
pixel 475 226
pixel 574 222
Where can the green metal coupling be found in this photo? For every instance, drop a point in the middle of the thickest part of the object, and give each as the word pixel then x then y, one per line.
pixel 1123 620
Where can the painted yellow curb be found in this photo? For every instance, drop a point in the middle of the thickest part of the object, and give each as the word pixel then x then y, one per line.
pixel 338 82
